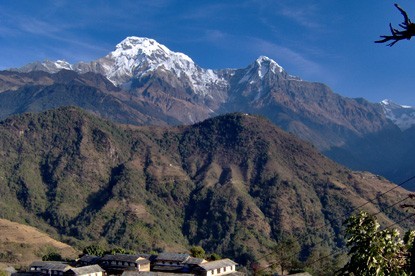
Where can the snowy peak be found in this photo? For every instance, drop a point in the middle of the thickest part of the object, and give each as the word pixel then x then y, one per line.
pixel 265 65
pixel 261 67
pixel 47 65
pixel 137 56
pixel 133 47
pixel 402 115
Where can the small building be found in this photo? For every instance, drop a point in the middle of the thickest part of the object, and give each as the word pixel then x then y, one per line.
pixel 116 264
pixel 36 266
pixel 56 269
pixel 86 260
pixel 171 262
pixel 219 267
pixel 192 263
pixel 90 270
pixel 48 267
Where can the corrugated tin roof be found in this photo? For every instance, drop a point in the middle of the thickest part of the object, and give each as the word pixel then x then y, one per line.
pixel 57 267
pixel 217 264
pixel 42 263
pixel 89 258
pixel 122 258
pixel 193 260
pixel 170 268
pixel 176 257
pixel 87 269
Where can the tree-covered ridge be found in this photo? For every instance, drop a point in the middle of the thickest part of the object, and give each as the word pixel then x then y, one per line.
pixel 234 184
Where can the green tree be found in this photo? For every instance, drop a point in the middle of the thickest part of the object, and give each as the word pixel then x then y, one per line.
pixel 94 250
pixel 287 252
pixel 52 256
pixel 214 257
pixel 374 251
pixel 197 252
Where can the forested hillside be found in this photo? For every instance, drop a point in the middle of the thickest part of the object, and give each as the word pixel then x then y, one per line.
pixel 234 184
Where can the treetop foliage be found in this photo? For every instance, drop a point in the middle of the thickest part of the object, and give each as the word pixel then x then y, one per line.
pixel 374 251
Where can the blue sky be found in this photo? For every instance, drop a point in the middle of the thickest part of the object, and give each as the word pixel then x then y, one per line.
pixel 318 40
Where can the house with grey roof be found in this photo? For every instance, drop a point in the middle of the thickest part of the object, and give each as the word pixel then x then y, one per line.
pixel 176 262
pixel 55 269
pixel 219 267
pixel 116 264
pixel 36 266
pixel 90 270
pixel 88 260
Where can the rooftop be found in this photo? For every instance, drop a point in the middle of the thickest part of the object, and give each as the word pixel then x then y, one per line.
pixel 87 269
pixel 176 257
pixel 123 258
pixel 217 264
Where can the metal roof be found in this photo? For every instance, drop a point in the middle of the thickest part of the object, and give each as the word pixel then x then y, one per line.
pixel 217 264
pixel 122 258
pixel 89 258
pixel 87 269
pixel 57 266
pixel 175 257
pixel 43 263
pixel 193 260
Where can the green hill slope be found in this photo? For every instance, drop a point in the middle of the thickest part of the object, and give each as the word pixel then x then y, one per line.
pixel 233 184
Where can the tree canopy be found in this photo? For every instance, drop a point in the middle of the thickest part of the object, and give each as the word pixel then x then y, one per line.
pixel 374 251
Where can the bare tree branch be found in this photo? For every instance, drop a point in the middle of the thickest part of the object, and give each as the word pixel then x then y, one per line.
pixel 408 30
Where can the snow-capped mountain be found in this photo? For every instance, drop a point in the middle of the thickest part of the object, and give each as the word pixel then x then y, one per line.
pixel 137 57
pixel 401 115
pixel 142 82
pixel 149 72
pixel 47 66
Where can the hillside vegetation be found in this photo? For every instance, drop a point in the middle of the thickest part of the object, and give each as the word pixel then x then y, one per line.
pixel 22 244
pixel 234 184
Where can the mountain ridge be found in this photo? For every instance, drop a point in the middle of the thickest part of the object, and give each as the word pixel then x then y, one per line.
pixel 233 184
pixel 157 90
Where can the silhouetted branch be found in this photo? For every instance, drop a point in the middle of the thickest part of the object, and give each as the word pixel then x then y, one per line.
pixel 407 32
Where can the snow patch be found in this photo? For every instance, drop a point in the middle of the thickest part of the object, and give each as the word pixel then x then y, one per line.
pixel 401 115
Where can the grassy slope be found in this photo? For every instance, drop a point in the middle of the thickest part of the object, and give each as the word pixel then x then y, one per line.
pixel 22 244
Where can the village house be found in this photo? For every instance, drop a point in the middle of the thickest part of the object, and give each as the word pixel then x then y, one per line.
pixel 116 264
pixel 90 270
pixel 164 264
pixel 192 263
pixel 88 260
pixel 37 266
pixel 48 268
pixel 219 267
pixel 176 262
pixel 57 269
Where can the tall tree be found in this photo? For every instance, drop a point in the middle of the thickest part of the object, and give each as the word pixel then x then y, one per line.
pixel 374 251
